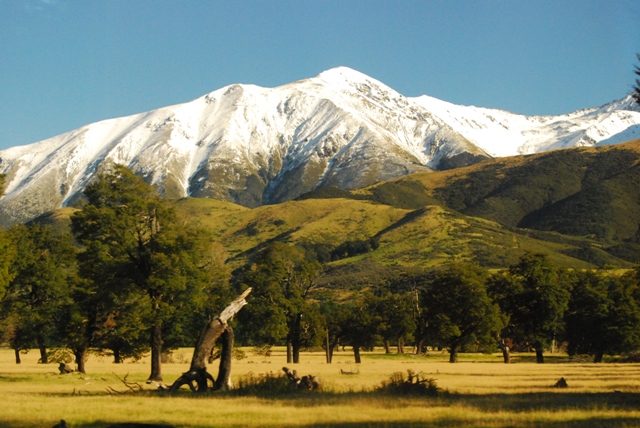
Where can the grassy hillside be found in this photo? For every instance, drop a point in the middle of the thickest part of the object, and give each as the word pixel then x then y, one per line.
pixel 425 237
pixel 588 192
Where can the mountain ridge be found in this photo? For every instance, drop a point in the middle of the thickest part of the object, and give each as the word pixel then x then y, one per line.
pixel 254 146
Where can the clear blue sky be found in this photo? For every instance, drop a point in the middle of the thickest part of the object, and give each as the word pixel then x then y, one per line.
pixel 67 63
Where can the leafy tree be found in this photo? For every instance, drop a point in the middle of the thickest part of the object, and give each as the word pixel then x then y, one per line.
pixel 44 263
pixel 11 332
pixel 457 310
pixel 7 252
pixel 332 314
pixel 121 331
pixel 534 296
pixel 636 89
pixel 603 316
pixel 359 324
pixel 83 320
pixel 133 239
pixel 282 279
pixel 396 312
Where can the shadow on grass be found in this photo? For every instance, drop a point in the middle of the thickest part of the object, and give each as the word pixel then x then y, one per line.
pixel 542 401
pixel 493 403
pixel 453 422
pixel 492 406
pixel 593 422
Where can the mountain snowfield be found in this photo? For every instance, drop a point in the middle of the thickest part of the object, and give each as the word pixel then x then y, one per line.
pixel 253 145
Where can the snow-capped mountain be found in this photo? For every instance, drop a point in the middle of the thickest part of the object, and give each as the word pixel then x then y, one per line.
pixel 500 133
pixel 254 145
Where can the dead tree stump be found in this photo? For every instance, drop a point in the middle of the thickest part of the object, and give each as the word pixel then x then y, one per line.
pixel 224 369
pixel 308 382
pixel 210 333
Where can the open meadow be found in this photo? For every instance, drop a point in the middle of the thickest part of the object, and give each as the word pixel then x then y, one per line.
pixel 477 391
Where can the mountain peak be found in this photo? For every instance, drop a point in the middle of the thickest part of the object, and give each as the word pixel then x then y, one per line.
pixel 345 76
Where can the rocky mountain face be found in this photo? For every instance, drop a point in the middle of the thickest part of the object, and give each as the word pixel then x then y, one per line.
pixel 255 146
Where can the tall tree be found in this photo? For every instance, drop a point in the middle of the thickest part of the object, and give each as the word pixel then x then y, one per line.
pixel 603 316
pixel 44 262
pixel 359 324
pixel 457 310
pixel 137 239
pixel 7 252
pixel 397 318
pixel 636 89
pixel 534 296
pixel 283 279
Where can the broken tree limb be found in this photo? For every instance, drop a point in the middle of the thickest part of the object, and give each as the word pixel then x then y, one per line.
pixel 210 333
pixel 133 386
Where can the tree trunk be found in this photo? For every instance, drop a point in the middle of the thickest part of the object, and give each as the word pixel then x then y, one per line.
pixel 453 354
pixel 333 346
pixel 597 358
pixel 506 355
pixel 387 347
pixel 400 346
pixel 116 356
pixel 81 356
pixel 226 355
pixel 328 352
pixel 419 346
pixel 207 340
pixel 356 354
pixel 539 355
pixel 156 352
pixel 17 352
pixel 44 359
pixel 289 352
pixel 296 352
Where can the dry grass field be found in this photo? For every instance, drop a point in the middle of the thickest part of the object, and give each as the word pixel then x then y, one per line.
pixel 478 391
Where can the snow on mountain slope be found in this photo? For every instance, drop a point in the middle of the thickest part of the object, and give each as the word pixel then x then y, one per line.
pixel 241 143
pixel 254 145
pixel 501 133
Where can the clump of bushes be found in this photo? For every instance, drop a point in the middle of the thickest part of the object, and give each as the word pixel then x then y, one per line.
pixel 354 248
pixel 412 384
pixel 275 384
pixel 264 350
pixel 263 384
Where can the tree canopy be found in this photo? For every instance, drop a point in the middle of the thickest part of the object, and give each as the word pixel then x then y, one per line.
pixel 603 316
pixel 282 279
pixel 533 295
pixel 457 310
pixel 134 241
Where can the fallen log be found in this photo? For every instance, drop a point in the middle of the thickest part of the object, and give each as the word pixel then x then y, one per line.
pixel 210 333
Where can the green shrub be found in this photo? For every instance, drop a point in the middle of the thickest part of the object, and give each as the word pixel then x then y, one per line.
pixel 413 384
pixel 263 383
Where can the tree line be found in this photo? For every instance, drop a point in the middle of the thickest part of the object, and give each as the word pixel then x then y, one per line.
pixel 531 305
pixel 132 277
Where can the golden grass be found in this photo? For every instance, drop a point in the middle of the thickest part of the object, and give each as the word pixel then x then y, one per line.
pixel 481 392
